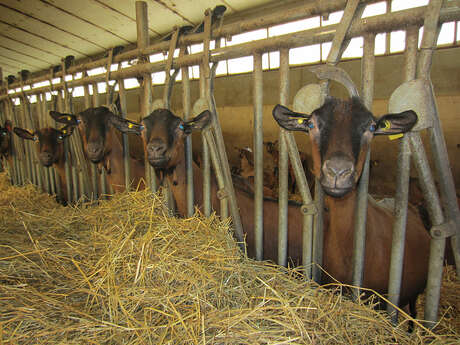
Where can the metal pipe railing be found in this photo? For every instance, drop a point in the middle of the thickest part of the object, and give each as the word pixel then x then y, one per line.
pixel 377 24
pixel 186 108
pixel 283 165
pixel 297 11
pixel 402 189
pixel 258 157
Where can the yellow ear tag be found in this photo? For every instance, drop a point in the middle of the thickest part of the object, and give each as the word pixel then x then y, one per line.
pixel 64 131
pixel 395 136
pixel 130 125
pixel 387 125
pixel 300 121
pixel 69 118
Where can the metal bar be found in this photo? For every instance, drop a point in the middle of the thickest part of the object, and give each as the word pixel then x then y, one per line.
pixel 283 165
pixel 360 215
pixel 125 140
pixel 307 221
pixel 377 24
pixel 42 124
pixel 258 157
pixel 437 246
pixel 51 170
pixel 146 102
pixel 68 177
pixel 169 82
pixel 402 190
pixel 186 106
pixel 207 207
pixel 432 26
pixel 295 12
pixel 94 171
pixel 72 159
pixel 339 43
pixel 318 233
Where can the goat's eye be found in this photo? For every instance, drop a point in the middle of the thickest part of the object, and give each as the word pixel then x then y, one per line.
pixel 372 128
pixel 60 137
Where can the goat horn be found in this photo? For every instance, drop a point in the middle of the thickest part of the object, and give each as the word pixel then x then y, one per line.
pixel 337 74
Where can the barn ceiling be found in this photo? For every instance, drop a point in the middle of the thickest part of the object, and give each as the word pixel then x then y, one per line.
pixel 36 34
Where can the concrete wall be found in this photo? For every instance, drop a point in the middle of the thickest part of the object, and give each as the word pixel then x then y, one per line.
pixel 233 96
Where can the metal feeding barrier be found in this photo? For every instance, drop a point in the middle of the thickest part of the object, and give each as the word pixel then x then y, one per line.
pixel 416 92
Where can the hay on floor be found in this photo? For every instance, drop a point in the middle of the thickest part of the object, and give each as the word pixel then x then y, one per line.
pixel 123 272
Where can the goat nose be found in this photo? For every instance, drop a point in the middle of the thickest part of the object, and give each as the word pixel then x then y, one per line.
pixel 46 155
pixel 157 147
pixel 338 168
pixel 92 148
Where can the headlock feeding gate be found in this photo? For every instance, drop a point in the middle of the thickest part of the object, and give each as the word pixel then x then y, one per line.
pixel 416 92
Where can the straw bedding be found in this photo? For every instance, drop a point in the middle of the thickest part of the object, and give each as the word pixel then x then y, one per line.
pixel 123 272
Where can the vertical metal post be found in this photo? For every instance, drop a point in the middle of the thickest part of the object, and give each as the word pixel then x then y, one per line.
pixel 437 246
pixel 360 216
pixel 146 103
pixel 402 189
pixel 42 123
pixel 206 159
pixel 94 171
pixel 186 106
pixel 233 206
pixel 72 153
pixel 68 177
pixel 283 164
pixel 258 157
pixel 125 141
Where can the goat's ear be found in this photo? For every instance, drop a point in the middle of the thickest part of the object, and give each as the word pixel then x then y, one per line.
pixel 199 122
pixel 24 133
pixel 290 120
pixel 8 125
pixel 126 126
pixel 396 123
pixel 67 119
pixel 66 131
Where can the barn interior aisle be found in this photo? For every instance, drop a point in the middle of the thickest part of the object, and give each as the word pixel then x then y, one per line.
pixel 229 172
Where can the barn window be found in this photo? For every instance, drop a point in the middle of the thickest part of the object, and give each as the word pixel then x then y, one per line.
pixel 156 57
pixel 399 5
pixel 306 54
pixel 131 83
pixel 159 78
pixel 101 87
pixel 194 72
pixel 33 99
pixel 196 48
pixel 56 81
pixel 96 71
pixel 397 41
pixel 26 87
pixel 298 25
pixel 354 49
pixel 458 32
pixel 78 91
pixel 221 68
pixel 380 44
pixel 240 65
pixel 41 84
pixel 11 91
pixel 68 77
pixel 274 59
pixel 247 37
pixel 447 33
pixel 375 9
pixel 78 75
pixel 332 18
pixel 48 96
